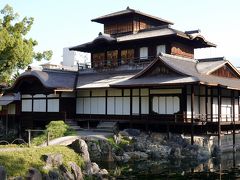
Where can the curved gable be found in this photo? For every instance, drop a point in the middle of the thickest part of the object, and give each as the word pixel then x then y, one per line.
pixel 159 67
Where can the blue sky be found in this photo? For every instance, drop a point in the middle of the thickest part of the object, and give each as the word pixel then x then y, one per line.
pixel 64 23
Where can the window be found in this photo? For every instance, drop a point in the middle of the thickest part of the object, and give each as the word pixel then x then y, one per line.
pixel 112 58
pixel 127 55
pixel 143 52
pixel 98 59
pixel 165 104
pixel 161 49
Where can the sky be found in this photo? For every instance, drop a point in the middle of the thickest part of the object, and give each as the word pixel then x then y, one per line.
pixel 66 23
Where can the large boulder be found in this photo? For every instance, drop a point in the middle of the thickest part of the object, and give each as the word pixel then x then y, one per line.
pixel 65 173
pixel 76 170
pixel 94 150
pixel 3 173
pixel 133 132
pixel 33 174
pixel 175 153
pixel 81 147
pixel 137 155
pixel 52 160
pixel 106 151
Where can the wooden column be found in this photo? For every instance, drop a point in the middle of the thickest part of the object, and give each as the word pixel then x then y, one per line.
pixel 233 119
pixel 211 104
pixel 219 115
pixel 206 103
pixel 192 110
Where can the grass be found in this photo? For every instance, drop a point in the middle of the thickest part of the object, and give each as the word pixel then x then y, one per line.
pixel 17 163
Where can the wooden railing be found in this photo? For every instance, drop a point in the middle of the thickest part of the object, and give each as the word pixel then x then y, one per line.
pixel 171 118
pixel 113 64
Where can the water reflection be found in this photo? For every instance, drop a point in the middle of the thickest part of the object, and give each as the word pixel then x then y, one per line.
pixel 225 167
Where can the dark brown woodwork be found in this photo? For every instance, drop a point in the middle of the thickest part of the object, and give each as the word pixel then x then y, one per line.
pixel 67 105
pixel 225 71
pixel 219 115
pixel 182 50
pixel 211 104
pixel 206 102
pixel 192 110
pixel 233 118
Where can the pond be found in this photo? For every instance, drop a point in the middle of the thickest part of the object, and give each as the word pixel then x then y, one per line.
pixel 225 167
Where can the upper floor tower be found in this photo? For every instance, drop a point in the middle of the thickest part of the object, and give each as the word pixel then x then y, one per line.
pixel 129 21
pixel 131 38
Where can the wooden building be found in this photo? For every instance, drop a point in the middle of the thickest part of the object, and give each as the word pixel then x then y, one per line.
pixel 143 74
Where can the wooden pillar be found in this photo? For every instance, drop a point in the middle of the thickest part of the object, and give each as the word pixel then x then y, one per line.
pixel 219 115
pixel 211 104
pixel 192 110
pixel 131 108
pixel 233 119
pixel 206 103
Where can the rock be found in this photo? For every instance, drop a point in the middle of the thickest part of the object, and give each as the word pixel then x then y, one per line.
pixel 106 151
pixel 102 174
pixel 133 132
pixel 52 160
pixel 88 169
pixel 175 153
pixel 53 175
pixel 123 133
pixel 33 174
pixel 95 168
pixel 65 173
pixel 94 150
pixel 157 137
pixel 137 155
pixel 3 173
pixel 81 147
pixel 216 151
pixel 123 158
pixel 76 170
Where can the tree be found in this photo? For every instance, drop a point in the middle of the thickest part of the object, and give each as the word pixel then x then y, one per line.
pixel 16 51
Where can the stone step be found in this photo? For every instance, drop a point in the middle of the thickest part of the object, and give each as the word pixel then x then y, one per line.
pixel 106 126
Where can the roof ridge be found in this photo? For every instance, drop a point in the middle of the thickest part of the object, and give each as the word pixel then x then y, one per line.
pixel 178 57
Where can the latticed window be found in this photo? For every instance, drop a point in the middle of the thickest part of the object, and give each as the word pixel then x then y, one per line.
pixel 127 55
pixel 112 58
pixel 98 60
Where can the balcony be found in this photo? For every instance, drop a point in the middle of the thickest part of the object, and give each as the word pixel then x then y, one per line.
pixel 116 65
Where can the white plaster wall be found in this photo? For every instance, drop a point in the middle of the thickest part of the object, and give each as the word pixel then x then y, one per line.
pixel 135 105
pixel 53 105
pixel 26 105
pixel 39 105
pixel 145 105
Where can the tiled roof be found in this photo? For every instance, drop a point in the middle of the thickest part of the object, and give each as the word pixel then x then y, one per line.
pixel 129 11
pixel 52 79
pixel 103 79
pixel 192 70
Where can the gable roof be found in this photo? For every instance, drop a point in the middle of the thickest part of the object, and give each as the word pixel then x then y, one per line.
pixel 128 11
pixel 188 67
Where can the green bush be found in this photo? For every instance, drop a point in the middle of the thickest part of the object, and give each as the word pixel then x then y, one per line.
pixel 55 129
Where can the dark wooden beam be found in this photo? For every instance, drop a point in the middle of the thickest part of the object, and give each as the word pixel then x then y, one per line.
pixel 206 102
pixel 192 110
pixel 211 104
pixel 219 115
pixel 233 119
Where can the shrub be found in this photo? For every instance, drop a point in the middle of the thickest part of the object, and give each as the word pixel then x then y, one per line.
pixel 56 129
